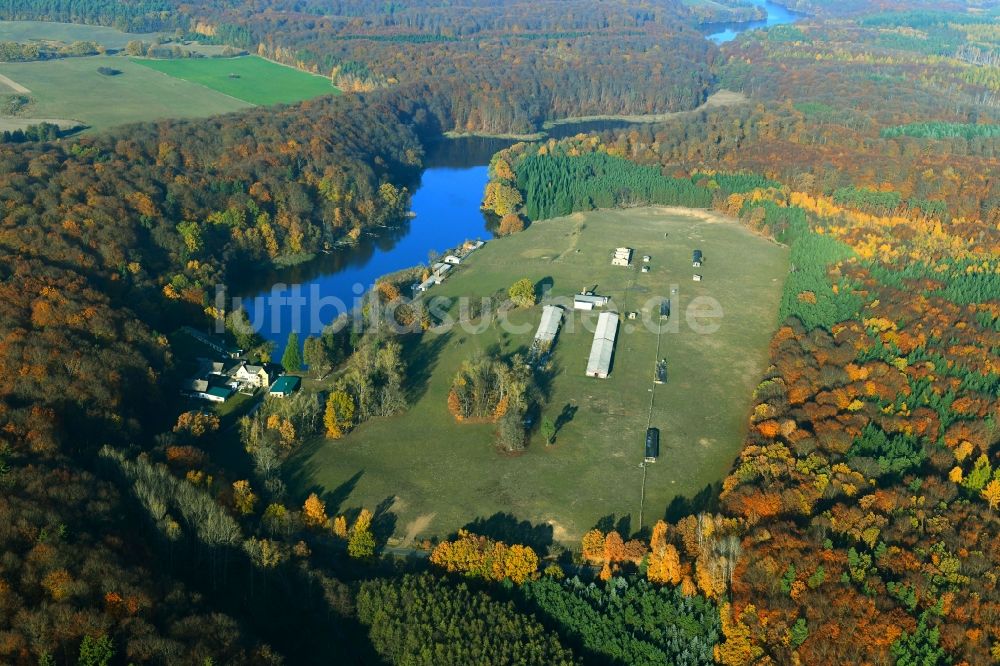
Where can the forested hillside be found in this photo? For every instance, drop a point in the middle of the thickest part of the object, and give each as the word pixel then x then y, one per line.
pixel 485 66
pixel 866 493
pixel 859 524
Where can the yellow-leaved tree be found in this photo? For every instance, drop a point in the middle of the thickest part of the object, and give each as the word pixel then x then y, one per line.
pixel 664 561
pixel 339 416
pixel 314 511
pixel 361 543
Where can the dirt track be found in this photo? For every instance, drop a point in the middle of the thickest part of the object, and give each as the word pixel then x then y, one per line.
pixel 13 85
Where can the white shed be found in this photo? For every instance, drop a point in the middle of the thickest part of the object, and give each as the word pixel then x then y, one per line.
pixel 588 301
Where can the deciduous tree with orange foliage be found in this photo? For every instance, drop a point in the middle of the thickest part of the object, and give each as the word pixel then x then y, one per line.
pixel 481 557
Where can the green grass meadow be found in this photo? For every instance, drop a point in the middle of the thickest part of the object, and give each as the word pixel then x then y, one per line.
pixel 72 89
pixel 247 78
pixel 437 475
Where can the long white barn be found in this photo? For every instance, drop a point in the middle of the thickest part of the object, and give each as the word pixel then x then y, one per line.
pixel 549 326
pixel 599 364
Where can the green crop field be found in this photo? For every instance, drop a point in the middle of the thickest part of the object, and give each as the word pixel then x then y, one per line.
pixel 27 31
pixel 72 89
pixel 247 78
pixel 439 475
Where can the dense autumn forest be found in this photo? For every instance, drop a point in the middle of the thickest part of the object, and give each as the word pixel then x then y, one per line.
pixel 866 494
pixel 859 523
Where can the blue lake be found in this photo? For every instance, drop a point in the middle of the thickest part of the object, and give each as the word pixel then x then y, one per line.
pixel 776 15
pixel 446 208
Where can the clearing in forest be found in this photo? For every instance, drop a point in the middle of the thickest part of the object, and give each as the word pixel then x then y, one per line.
pixel 451 470
pixel 73 88
pixel 247 78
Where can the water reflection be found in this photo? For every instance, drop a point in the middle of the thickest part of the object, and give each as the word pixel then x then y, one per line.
pixel 446 205
pixel 776 15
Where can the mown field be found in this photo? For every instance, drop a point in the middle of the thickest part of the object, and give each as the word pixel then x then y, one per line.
pixel 72 89
pixel 27 31
pixel 439 475
pixel 247 78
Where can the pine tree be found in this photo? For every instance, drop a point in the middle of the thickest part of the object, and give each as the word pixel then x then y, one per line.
pixel 291 360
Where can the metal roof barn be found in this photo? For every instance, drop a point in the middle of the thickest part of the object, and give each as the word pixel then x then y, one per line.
pixel 549 326
pixel 599 363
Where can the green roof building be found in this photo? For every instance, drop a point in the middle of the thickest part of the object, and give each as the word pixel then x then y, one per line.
pixel 285 386
pixel 218 393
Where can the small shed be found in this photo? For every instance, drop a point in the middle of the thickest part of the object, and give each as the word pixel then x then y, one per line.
pixel 623 257
pixel 646 258
pixel 696 277
pixel 423 286
pixel 660 374
pixel 197 385
pixel 285 386
pixel 645 269
pixel 665 308
pixel 696 255
pixel 652 444
pixel 217 393
pixel 452 259
pixel 589 301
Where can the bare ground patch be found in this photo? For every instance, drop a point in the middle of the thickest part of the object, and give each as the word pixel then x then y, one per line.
pixel 416 526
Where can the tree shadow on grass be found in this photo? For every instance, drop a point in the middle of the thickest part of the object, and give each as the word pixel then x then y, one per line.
pixel 336 497
pixel 422 353
pixel 612 523
pixel 384 521
pixel 543 287
pixel 705 500
pixel 507 528
pixel 545 379
pixel 569 411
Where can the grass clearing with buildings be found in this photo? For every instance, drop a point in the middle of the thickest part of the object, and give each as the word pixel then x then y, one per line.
pixel 436 475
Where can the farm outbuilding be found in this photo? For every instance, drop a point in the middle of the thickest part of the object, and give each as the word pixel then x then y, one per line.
pixel 645 269
pixel 423 286
pixel 652 444
pixel 665 308
pixel 623 257
pixel 217 393
pixel 599 363
pixel 589 301
pixel 696 277
pixel 548 328
pixel 660 373
pixel 285 386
